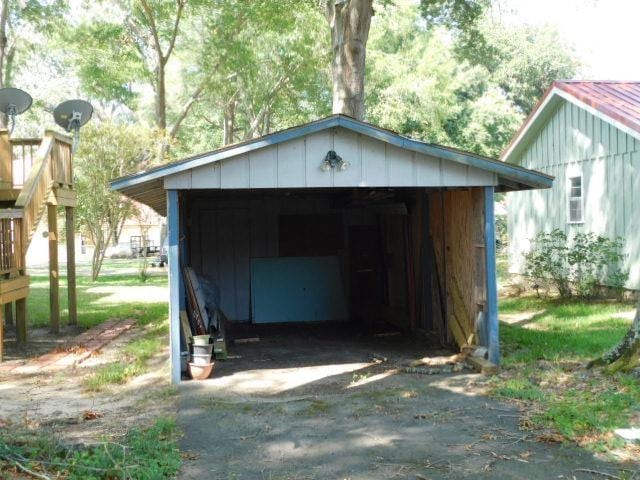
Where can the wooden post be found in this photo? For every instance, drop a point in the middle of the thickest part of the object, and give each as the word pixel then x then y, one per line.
pixel 491 319
pixel 6 179
pixel 21 320
pixel 54 277
pixel 71 266
pixel 175 281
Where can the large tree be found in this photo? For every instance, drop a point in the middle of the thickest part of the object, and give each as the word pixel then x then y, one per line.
pixel 349 21
pixel 625 356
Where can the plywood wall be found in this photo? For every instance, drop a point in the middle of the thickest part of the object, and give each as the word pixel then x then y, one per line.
pixel 457 227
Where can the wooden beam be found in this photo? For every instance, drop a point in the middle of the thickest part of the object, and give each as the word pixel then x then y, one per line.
pixel 71 266
pixel 6 178
pixel 21 320
pixel 491 318
pixel 175 281
pixel 54 272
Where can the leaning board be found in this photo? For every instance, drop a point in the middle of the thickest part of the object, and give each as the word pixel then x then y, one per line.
pixel 297 289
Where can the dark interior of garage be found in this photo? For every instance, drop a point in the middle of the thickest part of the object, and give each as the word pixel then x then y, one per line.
pixel 370 260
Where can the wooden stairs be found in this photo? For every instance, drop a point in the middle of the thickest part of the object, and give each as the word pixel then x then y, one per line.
pixel 36 176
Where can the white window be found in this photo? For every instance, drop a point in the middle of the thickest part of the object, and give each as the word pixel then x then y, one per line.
pixel 576 202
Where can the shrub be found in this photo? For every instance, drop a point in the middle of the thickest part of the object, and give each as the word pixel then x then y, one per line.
pixel 579 266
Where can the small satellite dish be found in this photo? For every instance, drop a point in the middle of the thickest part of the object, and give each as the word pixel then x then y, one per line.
pixel 14 101
pixel 71 115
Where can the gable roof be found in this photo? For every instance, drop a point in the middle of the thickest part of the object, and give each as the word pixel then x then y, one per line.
pixel 148 186
pixel 616 102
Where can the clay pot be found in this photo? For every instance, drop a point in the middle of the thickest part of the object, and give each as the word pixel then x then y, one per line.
pixel 200 372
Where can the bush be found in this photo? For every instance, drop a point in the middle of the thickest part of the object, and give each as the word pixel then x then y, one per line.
pixel 580 266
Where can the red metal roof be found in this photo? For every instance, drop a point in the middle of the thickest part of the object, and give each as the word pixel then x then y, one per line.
pixel 618 100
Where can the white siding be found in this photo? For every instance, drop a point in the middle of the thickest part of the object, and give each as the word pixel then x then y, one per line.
pixel 573 140
pixel 296 164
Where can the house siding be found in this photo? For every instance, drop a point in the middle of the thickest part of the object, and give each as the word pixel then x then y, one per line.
pixel 571 142
pixel 296 164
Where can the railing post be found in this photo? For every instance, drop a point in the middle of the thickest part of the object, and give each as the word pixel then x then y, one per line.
pixel 6 178
pixel 21 303
pixel 54 272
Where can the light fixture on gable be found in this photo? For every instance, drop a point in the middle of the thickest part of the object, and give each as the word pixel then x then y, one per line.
pixel 333 160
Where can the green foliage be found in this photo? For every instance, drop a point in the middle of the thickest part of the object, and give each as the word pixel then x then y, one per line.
pixel 473 98
pixel 142 454
pixel 108 150
pixel 580 264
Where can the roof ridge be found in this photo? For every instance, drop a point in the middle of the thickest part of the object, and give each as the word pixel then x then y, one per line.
pixel 596 81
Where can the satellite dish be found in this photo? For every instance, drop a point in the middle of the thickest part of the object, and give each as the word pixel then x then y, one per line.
pixel 71 115
pixel 14 101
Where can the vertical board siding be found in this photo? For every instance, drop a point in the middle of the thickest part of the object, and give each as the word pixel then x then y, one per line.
pixel 573 140
pixel 296 164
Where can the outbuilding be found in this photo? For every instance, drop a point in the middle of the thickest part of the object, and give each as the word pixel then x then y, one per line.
pixel 337 220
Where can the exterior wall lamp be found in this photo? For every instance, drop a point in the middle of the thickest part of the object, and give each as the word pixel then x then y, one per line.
pixel 333 160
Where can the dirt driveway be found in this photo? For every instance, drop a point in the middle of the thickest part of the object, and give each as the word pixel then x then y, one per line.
pixel 310 405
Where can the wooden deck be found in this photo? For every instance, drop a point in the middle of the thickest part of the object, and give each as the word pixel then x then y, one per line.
pixel 36 176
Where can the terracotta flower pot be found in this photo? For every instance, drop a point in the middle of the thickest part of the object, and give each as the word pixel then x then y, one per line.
pixel 200 372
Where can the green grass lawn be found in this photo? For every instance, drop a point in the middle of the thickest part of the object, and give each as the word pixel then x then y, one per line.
pixel 545 354
pixel 99 301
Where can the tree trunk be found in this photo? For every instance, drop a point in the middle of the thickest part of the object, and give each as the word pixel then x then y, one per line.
pixel 229 122
pixel 161 97
pixel 625 356
pixel 349 21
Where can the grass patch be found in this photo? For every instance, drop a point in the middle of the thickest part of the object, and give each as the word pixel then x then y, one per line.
pixel 561 331
pixel 100 301
pixel 544 366
pixel 136 353
pixel 141 454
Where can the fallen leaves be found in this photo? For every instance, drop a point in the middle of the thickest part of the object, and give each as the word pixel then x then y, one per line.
pixel 91 415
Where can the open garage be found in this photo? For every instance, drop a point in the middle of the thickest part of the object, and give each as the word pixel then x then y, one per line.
pixel 337 223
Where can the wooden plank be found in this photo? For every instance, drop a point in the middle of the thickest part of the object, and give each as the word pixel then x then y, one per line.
pixel 71 266
pixel 54 271
pixel 14 295
pixel 21 320
pixel 186 328
pixel 11 284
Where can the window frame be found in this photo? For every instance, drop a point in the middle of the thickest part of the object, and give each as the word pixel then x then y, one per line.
pixel 570 198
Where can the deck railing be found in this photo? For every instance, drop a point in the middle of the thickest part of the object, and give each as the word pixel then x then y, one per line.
pixel 11 243
pixel 51 168
pixel 23 154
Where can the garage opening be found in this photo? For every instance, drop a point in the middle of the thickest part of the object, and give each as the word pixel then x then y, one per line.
pixel 358 261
